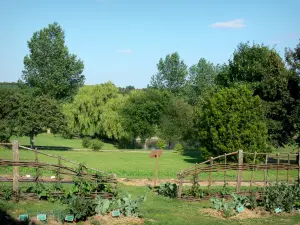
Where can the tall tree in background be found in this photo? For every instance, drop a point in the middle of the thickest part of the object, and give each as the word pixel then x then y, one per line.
pixel 171 75
pixel 95 111
pixel 264 71
pixel 231 119
pixel 49 68
pixel 201 76
pixel 143 112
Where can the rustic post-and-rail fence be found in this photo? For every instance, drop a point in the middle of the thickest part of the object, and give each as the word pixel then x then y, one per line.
pixel 63 173
pixel 269 167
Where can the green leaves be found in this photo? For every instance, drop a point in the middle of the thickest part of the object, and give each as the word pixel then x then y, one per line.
pixel 102 205
pixel 49 68
pixel 168 190
pixel 232 119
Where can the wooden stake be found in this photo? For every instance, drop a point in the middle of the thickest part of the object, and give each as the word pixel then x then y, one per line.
pixel 180 187
pixel 225 171
pixel 240 170
pixel 252 171
pixel 266 171
pixel 298 166
pixel 210 172
pixel 37 172
pixel 15 147
pixel 287 171
pixel 58 170
pixel 156 173
pixel 277 167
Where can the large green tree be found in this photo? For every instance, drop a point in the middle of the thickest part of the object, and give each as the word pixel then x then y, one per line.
pixel 201 76
pixel 231 119
pixel 264 71
pixel 49 68
pixel 171 74
pixel 176 121
pixel 143 112
pixel 95 111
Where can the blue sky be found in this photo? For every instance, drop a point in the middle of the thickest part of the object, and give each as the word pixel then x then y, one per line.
pixel 122 40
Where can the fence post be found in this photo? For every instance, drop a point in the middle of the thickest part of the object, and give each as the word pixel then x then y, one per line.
pixel 15 148
pixel 180 186
pixel 58 170
pixel 298 166
pixel 37 172
pixel 210 172
pixel 250 187
pixel 266 172
pixel 240 170
pixel 287 171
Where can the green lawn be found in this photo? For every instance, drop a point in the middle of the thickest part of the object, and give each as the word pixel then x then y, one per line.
pixel 159 210
pixel 56 140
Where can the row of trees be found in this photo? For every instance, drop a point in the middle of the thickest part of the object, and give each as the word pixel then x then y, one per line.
pixel 251 103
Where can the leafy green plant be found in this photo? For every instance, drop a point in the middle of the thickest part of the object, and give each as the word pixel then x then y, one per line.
pixel 222 205
pixel 281 195
pixel 102 205
pixel 86 142
pixel 179 148
pixel 59 215
pixel 129 206
pixel 161 144
pixel 168 190
pixel 225 190
pixel 96 144
pixel 6 192
pixel 81 207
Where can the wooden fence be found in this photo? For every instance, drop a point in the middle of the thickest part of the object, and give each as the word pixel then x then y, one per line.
pixel 63 173
pixel 263 163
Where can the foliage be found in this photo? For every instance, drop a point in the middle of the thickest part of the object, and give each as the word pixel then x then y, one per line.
pixel 222 205
pixel 195 191
pixel 95 111
pixel 264 71
pixel 143 112
pixel 86 142
pixel 96 144
pixel 49 68
pixel 201 76
pixel 102 205
pixel 281 195
pixel 6 193
pixel 161 144
pixel 59 215
pixel 129 206
pixel 95 222
pixel 81 207
pixel 179 148
pixel 168 190
pixel 176 121
pixel 230 120
pixel 171 75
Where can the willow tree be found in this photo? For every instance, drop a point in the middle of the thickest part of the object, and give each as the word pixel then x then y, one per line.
pixel 95 111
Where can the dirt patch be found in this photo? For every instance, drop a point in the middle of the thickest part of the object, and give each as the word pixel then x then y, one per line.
pixel 109 220
pixel 246 214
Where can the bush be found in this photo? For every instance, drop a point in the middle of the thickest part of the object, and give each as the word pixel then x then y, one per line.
pixel 179 148
pixel 86 142
pixel 281 195
pixel 161 144
pixel 81 208
pixel 168 190
pixel 96 144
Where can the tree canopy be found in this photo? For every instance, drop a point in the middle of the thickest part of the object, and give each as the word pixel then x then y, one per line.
pixel 49 68
pixel 171 75
pixel 230 120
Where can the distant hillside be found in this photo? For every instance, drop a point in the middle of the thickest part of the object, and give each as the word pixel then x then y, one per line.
pixel 8 85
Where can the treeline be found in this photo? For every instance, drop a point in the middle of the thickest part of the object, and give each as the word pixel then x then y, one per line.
pixel 250 103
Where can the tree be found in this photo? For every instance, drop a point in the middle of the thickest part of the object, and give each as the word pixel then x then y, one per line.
pixel 293 58
pixel 9 104
pixel 176 120
pixel 201 76
pixel 171 75
pixel 49 68
pixel 126 90
pixel 95 111
pixel 143 111
pixel 230 120
pixel 263 70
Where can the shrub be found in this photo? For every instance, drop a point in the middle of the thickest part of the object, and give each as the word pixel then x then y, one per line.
pixel 81 208
pixel 161 144
pixel 179 148
pixel 129 206
pixel 168 190
pixel 102 205
pixel 96 144
pixel 86 142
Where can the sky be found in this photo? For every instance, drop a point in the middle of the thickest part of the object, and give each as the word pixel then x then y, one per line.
pixel 122 40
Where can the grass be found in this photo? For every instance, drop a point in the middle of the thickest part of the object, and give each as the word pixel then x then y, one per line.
pixel 57 141
pixel 159 210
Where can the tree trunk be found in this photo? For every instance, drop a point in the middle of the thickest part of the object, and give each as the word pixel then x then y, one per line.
pixel 32 140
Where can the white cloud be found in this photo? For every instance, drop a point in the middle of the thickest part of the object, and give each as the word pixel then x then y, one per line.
pixel 125 51
pixel 238 23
